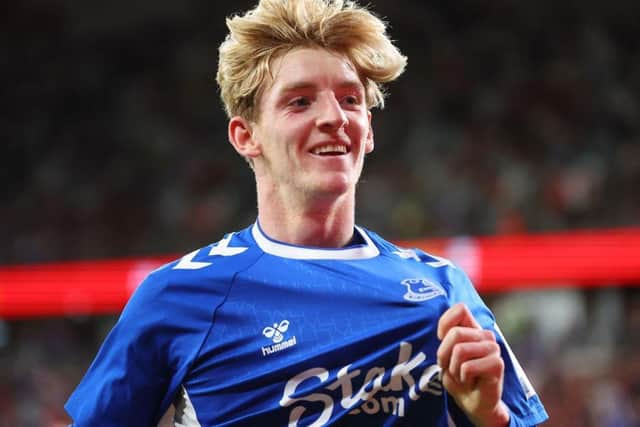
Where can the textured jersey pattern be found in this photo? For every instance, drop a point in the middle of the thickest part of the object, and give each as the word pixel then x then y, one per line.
pixel 250 331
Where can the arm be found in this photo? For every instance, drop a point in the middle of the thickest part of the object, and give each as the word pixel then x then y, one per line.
pixel 130 377
pixel 142 362
pixel 472 368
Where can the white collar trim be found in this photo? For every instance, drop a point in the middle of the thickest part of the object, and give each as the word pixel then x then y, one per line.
pixel 364 251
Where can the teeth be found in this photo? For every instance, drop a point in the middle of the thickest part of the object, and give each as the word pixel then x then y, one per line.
pixel 330 149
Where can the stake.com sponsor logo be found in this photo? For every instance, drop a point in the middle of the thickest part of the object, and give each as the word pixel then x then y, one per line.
pixel 400 379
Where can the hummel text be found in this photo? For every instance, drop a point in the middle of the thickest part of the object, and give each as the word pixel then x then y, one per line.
pixel 274 348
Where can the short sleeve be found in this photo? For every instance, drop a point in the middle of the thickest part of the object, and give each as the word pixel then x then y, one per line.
pixel 144 358
pixel 518 393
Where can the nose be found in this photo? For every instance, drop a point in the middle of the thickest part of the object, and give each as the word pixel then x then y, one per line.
pixel 331 116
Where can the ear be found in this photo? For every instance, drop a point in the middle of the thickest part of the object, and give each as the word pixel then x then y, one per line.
pixel 368 148
pixel 241 137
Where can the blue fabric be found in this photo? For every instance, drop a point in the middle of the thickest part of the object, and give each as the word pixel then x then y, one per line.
pixel 258 332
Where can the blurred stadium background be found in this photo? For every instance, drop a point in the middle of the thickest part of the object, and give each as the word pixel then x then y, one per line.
pixel 513 119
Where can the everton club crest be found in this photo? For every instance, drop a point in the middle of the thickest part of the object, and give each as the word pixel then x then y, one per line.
pixel 421 290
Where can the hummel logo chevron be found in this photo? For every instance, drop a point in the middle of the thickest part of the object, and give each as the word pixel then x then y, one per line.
pixel 411 254
pixel 407 254
pixel 186 262
pixel 441 262
pixel 221 249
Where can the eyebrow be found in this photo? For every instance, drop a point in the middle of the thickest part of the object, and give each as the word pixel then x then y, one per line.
pixel 299 85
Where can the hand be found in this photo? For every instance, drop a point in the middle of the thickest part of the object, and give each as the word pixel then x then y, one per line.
pixel 472 368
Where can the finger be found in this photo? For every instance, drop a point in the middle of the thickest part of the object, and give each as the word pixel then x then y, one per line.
pixel 490 367
pixel 457 315
pixel 456 336
pixel 468 352
pixel 450 383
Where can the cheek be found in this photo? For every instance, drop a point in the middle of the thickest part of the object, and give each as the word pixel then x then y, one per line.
pixel 296 134
pixel 360 132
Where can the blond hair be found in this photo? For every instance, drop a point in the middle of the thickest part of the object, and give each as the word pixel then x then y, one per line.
pixel 274 27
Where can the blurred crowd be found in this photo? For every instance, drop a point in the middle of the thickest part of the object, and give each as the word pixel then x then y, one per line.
pixel 511 117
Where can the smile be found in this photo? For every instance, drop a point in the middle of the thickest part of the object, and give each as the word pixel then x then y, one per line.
pixel 330 150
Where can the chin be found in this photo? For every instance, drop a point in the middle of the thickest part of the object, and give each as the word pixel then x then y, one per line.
pixel 332 183
pixel 336 187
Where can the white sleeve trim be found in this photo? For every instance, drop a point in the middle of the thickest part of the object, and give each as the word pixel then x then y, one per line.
pixel 528 389
pixel 185 415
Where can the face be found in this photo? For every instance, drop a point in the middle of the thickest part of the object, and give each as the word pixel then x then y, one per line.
pixel 314 127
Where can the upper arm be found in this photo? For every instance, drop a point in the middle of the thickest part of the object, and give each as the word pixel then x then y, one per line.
pixel 143 360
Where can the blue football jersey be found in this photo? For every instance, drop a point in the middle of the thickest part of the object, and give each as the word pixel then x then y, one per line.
pixel 254 332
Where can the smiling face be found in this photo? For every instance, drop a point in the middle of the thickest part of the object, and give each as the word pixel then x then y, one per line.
pixel 313 129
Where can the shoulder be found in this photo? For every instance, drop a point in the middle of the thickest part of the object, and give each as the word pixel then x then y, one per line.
pixel 411 253
pixel 216 262
pixel 199 277
pixel 447 273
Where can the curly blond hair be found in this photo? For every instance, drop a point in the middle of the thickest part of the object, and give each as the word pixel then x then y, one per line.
pixel 274 27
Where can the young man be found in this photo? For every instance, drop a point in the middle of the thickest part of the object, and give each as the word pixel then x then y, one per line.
pixel 305 319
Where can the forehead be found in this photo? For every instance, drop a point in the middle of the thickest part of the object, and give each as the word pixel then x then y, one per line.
pixel 312 67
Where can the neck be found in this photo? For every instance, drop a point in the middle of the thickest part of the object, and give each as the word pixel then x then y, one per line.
pixel 326 222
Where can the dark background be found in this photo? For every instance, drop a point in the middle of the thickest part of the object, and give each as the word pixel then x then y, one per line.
pixel 511 117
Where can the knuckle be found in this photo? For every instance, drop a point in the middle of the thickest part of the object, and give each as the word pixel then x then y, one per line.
pixel 493 347
pixel 458 351
pixel 466 369
pixel 455 333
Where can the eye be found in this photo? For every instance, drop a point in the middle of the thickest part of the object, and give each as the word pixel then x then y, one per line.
pixel 351 100
pixel 300 101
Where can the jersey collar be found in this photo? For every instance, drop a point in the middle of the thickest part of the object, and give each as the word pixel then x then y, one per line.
pixel 365 250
